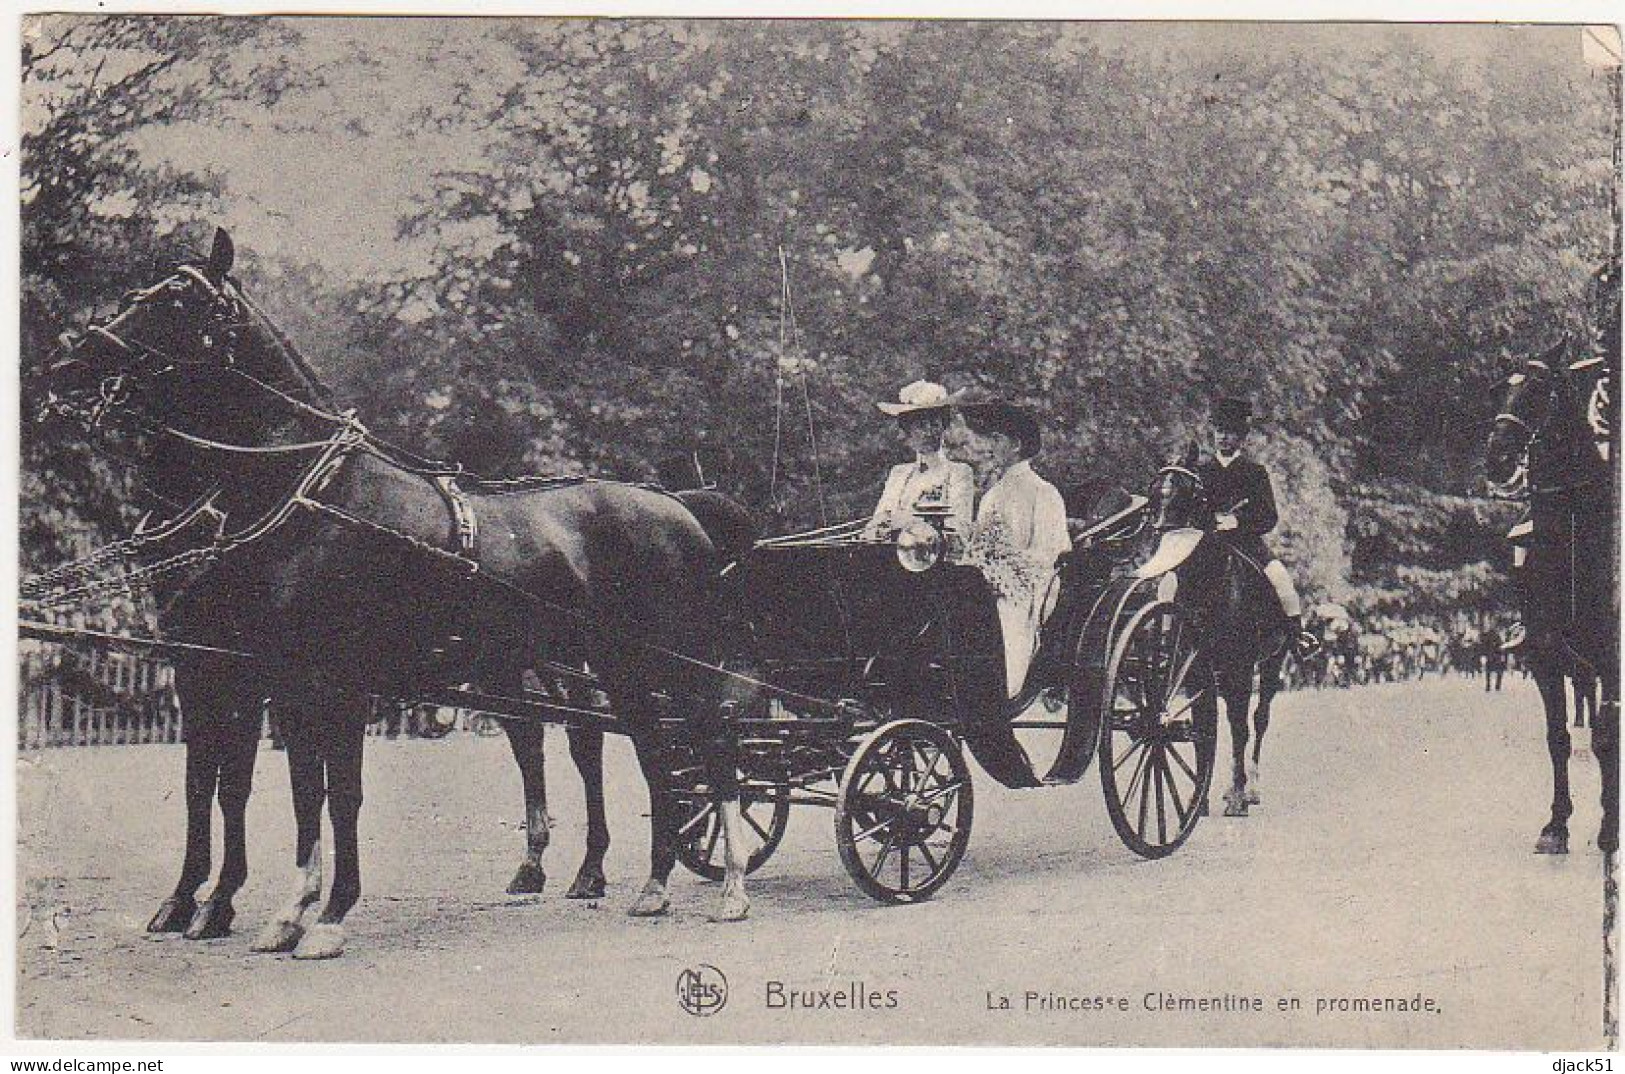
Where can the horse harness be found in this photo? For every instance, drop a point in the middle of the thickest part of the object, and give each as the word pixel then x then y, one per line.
pixel 351 437
pixel 75 582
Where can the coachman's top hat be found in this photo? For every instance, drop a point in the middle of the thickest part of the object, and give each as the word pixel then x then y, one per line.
pixel 1232 415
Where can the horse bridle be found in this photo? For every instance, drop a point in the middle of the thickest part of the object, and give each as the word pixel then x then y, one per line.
pixel 1199 486
pixel 230 308
pixel 1518 484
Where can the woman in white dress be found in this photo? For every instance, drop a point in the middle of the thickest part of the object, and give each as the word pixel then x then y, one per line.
pixel 1020 529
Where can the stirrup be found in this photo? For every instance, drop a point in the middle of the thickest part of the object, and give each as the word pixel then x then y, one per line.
pixel 1304 645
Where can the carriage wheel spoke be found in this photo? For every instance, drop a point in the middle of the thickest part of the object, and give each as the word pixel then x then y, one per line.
pixel 1181 673
pixel 885 852
pixel 1145 797
pixel 1135 748
pixel 756 827
pixel 1175 644
pixel 1162 809
pixel 1187 706
pixel 1136 783
pixel 868 833
pixel 1179 808
pixel 930 768
pixel 939 792
pixel 712 834
pixel 925 852
pixel 697 819
pixel 1189 771
pixel 902 877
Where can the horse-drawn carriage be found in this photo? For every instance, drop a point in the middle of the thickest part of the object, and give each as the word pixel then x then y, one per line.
pixel 820 668
pixel 860 672
pixel 904 650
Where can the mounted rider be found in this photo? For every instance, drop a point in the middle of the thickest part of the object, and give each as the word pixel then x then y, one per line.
pixel 932 483
pixel 1239 487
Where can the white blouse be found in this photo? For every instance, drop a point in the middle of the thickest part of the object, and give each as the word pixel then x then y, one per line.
pixel 931 481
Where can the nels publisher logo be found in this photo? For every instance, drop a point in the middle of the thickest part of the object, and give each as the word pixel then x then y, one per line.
pixel 702 991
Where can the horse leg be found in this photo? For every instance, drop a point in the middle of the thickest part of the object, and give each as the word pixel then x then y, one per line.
pixel 206 717
pixel 1605 744
pixel 1236 703
pixel 240 749
pixel 529 746
pixel 1269 684
pixel 587 750
pixel 344 739
pixel 653 901
pixel 308 782
pixel 1554 837
pixel 1585 701
pixel 720 752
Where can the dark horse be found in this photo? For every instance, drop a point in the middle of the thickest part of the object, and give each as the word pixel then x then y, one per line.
pixel 1550 439
pixel 1236 610
pixel 348 567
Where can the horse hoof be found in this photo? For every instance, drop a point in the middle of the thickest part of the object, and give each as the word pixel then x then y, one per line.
pixel 1253 799
pixel 529 880
pixel 212 920
pixel 1235 806
pixel 1552 843
pixel 735 905
pixel 652 902
pixel 324 940
pixel 587 886
pixel 173 915
pixel 278 937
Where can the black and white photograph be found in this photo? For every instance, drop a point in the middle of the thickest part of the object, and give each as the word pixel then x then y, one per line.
pixel 540 530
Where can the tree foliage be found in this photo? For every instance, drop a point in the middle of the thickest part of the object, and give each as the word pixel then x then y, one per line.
pixel 1114 226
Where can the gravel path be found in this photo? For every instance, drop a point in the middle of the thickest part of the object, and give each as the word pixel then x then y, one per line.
pixel 1391 859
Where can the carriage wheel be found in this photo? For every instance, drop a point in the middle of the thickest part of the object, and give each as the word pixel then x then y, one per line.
pixel 902 820
pixel 1161 719
pixel 766 813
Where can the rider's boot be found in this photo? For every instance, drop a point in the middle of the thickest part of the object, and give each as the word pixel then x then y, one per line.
pixel 1304 644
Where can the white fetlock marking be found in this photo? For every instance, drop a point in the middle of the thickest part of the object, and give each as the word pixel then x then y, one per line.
pixel 733 843
pixel 278 936
pixel 735 904
pixel 537 825
pixel 308 888
pixel 324 940
pixel 284 929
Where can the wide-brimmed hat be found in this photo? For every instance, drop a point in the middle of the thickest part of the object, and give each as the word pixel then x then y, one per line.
pixel 1232 415
pixel 988 413
pixel 915 397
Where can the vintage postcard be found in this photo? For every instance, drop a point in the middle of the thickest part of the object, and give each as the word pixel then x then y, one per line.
pixel 841 531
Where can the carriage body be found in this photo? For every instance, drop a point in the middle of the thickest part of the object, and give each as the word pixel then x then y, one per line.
pixel 860 681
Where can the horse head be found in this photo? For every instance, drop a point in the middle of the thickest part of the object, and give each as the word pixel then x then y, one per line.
pixel 1527 406
pixel 189 355
pixel 1545 433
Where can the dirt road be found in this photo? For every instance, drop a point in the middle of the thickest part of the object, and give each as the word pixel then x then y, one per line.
pixel 1391 860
